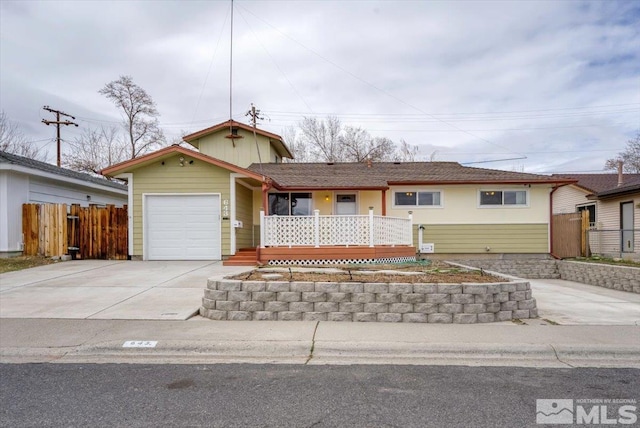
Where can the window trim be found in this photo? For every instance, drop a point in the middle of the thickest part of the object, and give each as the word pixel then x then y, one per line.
pixel 416 206
pixel 503 205
pixel 595 212
pixel 289 203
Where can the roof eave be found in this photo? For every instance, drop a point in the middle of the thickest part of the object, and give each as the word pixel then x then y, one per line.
pixel 323 188
pixel 127 165
pixel 461 182
pixel 62 178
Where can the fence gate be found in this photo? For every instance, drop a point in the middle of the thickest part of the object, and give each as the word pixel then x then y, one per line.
pixel 569 234
pixel 85 232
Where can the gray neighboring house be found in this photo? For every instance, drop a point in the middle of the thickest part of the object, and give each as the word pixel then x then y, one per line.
pixel 24 180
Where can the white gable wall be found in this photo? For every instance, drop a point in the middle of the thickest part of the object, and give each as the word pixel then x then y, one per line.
pixel 566 198
pixel 14 191
pixel 45 191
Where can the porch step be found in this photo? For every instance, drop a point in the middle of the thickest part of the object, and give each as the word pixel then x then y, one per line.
pixel 244 257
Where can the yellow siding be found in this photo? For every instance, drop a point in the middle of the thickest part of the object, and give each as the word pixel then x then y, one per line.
pixel 320 202
pixel 257 205
pixel 371 199
pixel 243 154
pixel 198 177
pixel 460 205
pixel 475 238
pixel 244 213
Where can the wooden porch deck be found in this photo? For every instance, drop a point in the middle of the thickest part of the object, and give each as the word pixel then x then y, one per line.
pixel 265 255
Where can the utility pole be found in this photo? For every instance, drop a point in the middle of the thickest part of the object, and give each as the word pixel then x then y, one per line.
pixel 58 122
pixel 254 115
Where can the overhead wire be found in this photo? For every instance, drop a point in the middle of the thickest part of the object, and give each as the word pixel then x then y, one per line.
pixel 389 94
pixel 206 79
pixel 295 90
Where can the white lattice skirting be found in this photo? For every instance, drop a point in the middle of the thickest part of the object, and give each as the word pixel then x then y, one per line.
pixel 388 260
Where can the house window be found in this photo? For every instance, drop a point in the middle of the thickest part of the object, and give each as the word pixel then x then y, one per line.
pixel 591 208
pixel 503 197
pixel 417 199
pixel 290 203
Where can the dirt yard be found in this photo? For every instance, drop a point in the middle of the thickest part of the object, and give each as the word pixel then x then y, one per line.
pixel 419 272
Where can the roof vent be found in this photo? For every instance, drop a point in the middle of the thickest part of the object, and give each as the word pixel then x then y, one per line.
pixel 329 163
pixel 397 163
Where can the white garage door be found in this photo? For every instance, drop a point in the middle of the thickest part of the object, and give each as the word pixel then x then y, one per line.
pixel 182 227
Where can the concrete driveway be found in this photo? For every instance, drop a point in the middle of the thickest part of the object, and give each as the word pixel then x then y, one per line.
pixel 172 290
pixel 572 303
pixel 107 289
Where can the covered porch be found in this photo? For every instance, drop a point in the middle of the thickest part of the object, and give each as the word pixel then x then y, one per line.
pixel 335 239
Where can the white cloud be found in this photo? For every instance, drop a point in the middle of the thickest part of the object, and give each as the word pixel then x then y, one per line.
pixel 379 65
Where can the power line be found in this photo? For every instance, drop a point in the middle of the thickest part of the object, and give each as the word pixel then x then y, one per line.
pixel 275 63
pixel 476 113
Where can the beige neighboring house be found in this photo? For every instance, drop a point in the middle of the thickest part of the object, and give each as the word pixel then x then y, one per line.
pixel 234 193
pixel 613 203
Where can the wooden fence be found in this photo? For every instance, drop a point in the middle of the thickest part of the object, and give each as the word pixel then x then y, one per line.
pixel 85 232
pixel 570 234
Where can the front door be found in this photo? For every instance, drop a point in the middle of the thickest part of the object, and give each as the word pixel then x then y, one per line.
pixel 346 204
pixel 626 226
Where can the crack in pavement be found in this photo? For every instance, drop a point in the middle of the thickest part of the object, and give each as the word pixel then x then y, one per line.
pixel 558 358
pixel 313 343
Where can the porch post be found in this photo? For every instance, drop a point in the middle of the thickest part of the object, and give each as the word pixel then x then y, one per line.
pixel 410 240
pixel 316 228
pixel 384 203
pixel 371 234
pixel 265 197
pixel 262 226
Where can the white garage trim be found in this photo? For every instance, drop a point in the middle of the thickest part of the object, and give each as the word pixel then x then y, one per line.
pixel 212 253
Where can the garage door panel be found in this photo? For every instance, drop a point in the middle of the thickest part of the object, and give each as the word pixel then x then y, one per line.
pixel 183 227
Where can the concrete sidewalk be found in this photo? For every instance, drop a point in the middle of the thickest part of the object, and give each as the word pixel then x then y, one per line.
pixel 203 341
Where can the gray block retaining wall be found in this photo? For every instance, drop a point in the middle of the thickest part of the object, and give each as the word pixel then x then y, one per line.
pixel 382 302
pixel 623 278
pixel 526 268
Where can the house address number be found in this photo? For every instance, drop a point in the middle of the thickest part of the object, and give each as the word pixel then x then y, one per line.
pixel 225 209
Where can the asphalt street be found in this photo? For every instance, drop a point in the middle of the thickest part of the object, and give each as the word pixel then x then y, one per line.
pixel 229 395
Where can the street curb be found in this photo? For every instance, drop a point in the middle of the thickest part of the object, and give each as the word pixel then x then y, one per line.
pixel 335 353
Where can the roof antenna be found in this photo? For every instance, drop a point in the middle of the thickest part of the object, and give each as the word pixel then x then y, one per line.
pixel 231 78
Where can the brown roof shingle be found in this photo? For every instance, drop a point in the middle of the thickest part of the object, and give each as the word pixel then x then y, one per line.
pixel 602 182
pixel 380 175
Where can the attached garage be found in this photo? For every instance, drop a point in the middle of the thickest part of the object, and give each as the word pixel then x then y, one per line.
pixel 182 227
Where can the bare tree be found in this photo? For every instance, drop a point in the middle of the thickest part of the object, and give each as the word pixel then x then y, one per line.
pixel 12 140
pixel 298 147
pixel 322 138
pixel 630 156
pixel 405 152
pixel 141 115
pixel 328 141
pixel 359 146
pixel 95 150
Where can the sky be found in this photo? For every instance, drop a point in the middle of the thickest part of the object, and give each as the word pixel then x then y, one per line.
pixel 541 87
